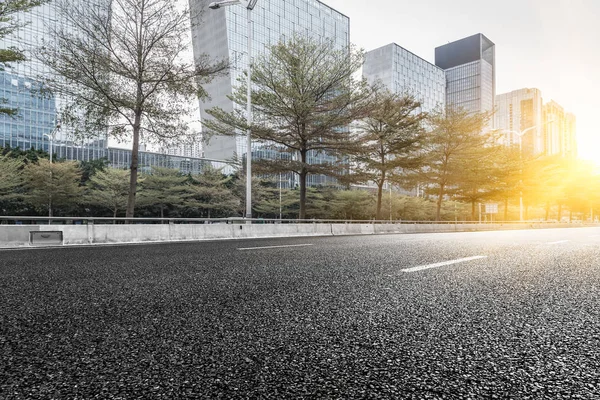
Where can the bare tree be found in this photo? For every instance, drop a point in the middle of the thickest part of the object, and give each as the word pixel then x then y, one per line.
pixel 122 65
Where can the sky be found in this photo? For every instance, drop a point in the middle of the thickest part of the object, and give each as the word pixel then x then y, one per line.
pixel 551 45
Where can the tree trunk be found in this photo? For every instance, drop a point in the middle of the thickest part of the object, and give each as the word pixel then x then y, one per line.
pixel 559 212
pixel 379 197
pixel 547 211
pixel 162 213
pixel 115 216
pixel 134 165
pixel 303 174
pixel 473 210
pixel 506 208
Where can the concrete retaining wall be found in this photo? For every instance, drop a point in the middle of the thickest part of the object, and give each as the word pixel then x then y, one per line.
pixel 18 235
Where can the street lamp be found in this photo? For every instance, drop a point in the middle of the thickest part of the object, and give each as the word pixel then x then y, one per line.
pixel 249 4
pixel 51 137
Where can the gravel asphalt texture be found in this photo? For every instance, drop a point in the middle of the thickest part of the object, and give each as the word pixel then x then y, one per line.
pixel 335 319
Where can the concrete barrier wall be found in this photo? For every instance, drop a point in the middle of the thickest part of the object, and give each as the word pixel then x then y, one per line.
pixel 18 235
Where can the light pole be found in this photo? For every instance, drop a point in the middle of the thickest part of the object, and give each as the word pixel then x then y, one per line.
pixel 51 137
pixel 249 4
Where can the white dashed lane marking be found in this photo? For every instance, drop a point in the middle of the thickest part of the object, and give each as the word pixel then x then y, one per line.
pixel 442 264
pixel 273 247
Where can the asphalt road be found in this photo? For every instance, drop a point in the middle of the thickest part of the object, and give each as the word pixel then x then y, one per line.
pixel 511 314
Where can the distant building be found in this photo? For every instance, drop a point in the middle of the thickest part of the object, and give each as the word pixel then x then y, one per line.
pixel 470 67
pixel 222 34
pixel 560 130
pixel 570 138
pixel 404 72
pixel 521 112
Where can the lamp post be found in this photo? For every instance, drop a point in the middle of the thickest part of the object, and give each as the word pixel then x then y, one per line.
pixel 51 137
pixel 249 4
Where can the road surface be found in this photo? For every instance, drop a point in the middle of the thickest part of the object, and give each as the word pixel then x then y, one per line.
pixel 512 314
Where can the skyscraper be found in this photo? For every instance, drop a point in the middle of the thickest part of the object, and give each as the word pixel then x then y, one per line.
pixel 470 66
pixel 404 72
pixel 20 84
pixel 521 112
pixel 222 35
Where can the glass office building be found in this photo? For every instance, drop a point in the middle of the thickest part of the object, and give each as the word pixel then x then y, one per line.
pixel 470 66
pixel 19 87
pixel 559 130
pixel 222 34
pixel 404 72
pixel 521 111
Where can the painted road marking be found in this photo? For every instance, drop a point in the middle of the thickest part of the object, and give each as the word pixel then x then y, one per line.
pixel 274 247
pixel 559 242
pixel 442 264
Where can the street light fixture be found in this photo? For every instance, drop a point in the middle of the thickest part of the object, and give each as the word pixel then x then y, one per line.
pixel 51 137
pixel 249 4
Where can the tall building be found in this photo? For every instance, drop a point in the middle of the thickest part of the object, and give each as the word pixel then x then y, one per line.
pixel 560 130
pixel 554 120
pixel 404 72
pixel 470 67
pixel 521 112
pixel 20 84
pixel 570 138
pixel 222 34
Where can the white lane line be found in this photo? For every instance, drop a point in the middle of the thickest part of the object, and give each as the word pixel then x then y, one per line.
pixel 274 247
pixel 559 242
pixel 442 264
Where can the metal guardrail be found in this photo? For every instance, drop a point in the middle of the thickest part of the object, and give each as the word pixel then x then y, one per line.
pixel 29 220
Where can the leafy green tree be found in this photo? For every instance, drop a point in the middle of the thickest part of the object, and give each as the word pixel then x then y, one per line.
pixel 352 205
pixel 125 70
pixel 507 175
pixel 109 188
pixel 303 99
pixel 10 177
pixel 456 138
pixel 479 181
pixel 31 155
pixel 210 195
pixel 389 138
pixel 53 185
pixel 91 167
pixel 8 26
pixel 163 188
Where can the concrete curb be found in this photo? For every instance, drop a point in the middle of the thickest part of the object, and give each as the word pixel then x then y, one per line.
pixel 18 236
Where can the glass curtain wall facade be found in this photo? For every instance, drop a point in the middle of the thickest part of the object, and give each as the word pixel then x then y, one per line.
pixel 470 66
pixel 404 72
pixel 518 111
pixel 19 85
pixel 559 130
pixel 222 34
